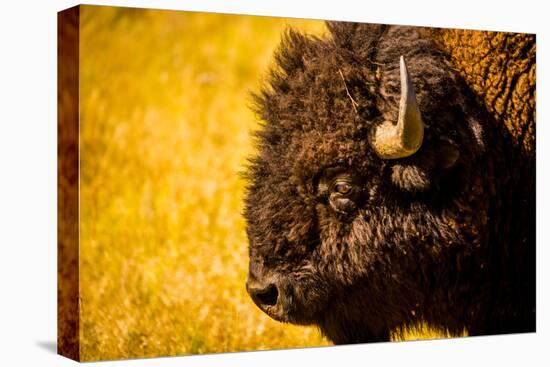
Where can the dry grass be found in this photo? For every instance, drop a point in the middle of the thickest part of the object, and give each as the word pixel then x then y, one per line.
pixel 165 127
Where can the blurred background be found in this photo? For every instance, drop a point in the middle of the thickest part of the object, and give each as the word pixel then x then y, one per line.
pixel 165 129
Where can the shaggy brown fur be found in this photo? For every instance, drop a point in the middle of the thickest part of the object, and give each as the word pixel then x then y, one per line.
pixel 445 236
pixel 501 69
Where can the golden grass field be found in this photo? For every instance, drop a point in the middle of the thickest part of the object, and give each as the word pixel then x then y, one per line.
pixel 165 128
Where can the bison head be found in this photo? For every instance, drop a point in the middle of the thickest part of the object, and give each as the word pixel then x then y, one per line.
pixel 362 184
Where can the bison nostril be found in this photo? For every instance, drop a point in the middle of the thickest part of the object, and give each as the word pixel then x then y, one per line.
pixel 266 296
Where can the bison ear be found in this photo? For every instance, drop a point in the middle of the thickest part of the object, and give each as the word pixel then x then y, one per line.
pixel 420 173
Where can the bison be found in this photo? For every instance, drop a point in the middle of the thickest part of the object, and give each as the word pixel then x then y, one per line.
pixel 394 183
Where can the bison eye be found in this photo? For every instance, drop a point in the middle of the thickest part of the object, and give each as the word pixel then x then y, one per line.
pixel 342 187
pixel 342 195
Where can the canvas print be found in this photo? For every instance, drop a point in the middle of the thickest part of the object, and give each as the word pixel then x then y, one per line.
pixel 237 183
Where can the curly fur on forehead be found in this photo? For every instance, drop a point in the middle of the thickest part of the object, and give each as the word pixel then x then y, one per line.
pixel 326 94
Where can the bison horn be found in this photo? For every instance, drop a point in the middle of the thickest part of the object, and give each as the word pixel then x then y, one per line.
pixel 392 141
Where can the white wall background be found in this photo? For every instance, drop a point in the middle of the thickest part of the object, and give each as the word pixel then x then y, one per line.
pixel 28 182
